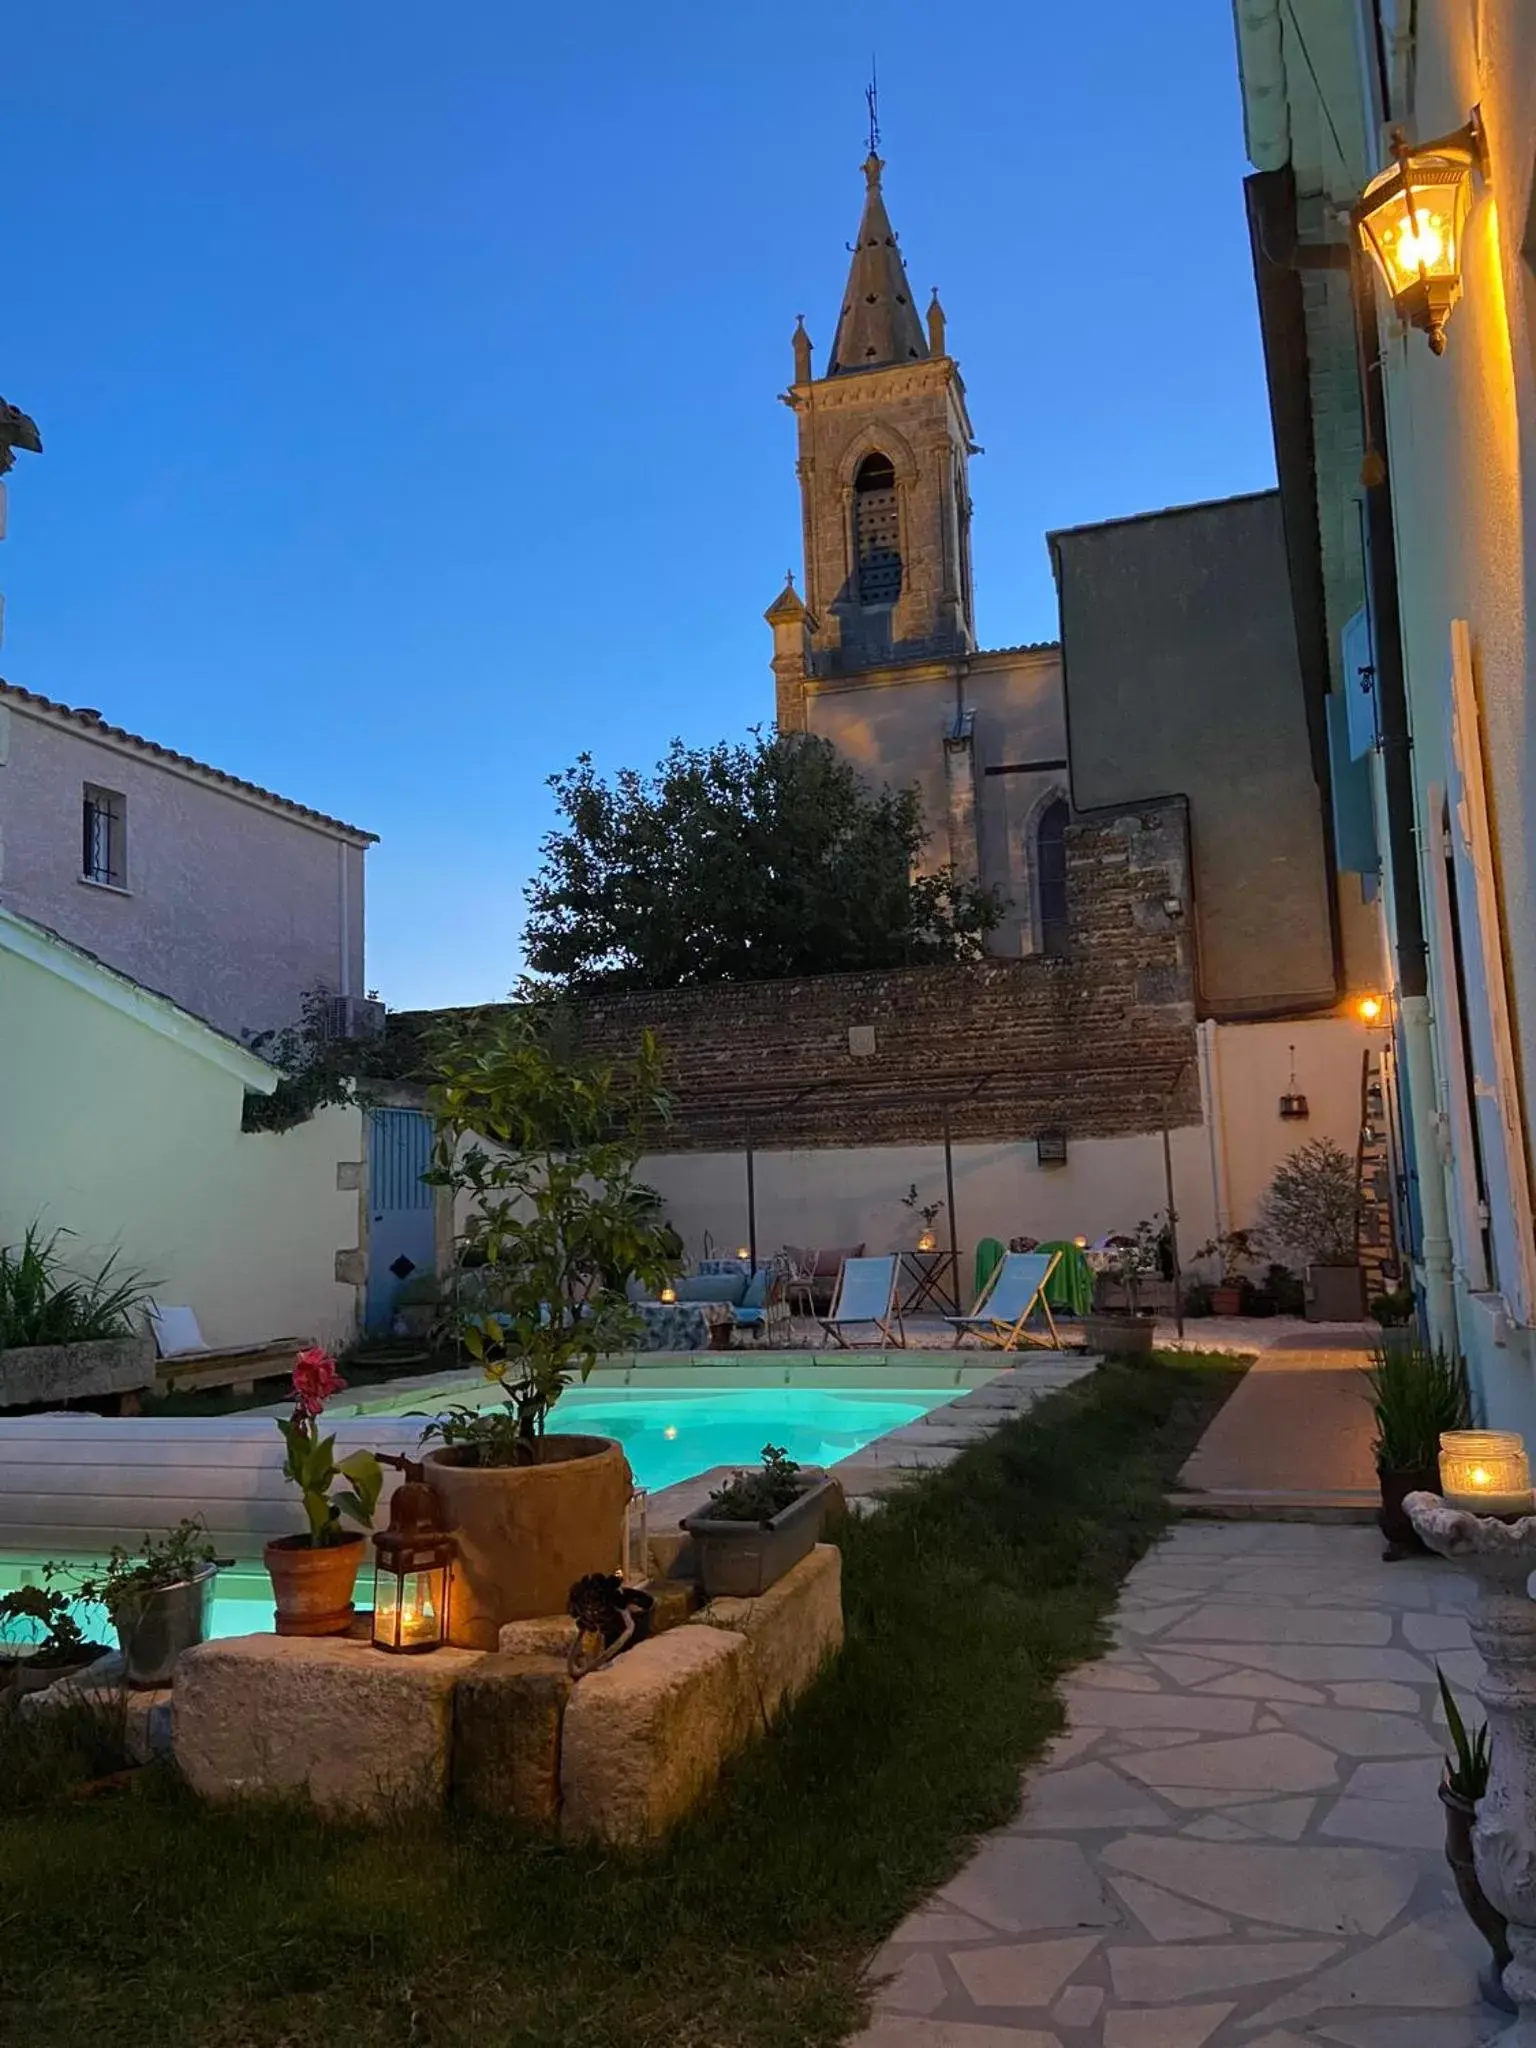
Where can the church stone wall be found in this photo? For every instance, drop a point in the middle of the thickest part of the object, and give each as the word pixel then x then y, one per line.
pixel 1088 1045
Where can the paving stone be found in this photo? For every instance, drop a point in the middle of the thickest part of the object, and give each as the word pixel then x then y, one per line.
pixel 1185 1670
pixel 1065 1748
pixel 1021 1885
pixel 1362 1628
pixel 1326 1663
pixel 917 1987
pixel 1163 1976
pixel 1403 2030
pixel 1089 1797
pixel 1380 1696
pixel 1023 1974
pixel 1286 1819
pixel 1390 1823
pixel 1463 1668
pixel 1161 2028
pixel 1150 1738
pixel 1353 1732
pixel 1437 1631
pixel 1417 1966
pixel 1115 1678
pixel 1315 1890
pixel 905 2033
pixel 1265 1685
pixel 1214 1827
pixel 1165 1917
pixel 1277 1762
pixel 938 1925
pixel 1078 2006
pixel 1160 1710
pixel 1150 1623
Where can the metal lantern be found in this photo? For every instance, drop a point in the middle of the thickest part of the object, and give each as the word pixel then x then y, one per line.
pixel 411 1568
pixel 1410 220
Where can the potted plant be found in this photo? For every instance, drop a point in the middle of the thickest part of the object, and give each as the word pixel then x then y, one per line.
pixel 1127 1332
pixel 53 1645
pixel 1415 1394
pixel 159 1598
pixel 929 1212
pixel 1312 1207
pixel 313 1574
pixel 758 1526
pixel 540 1144
pixel 1462 1785
pixel 67 1336
pixel 1232 1249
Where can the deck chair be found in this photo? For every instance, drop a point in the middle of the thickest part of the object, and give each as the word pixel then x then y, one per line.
pixel 1008 1300
pixel 866 1293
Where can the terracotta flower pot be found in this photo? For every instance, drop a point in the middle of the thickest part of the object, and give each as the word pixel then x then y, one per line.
pixel 524 1534
pixel 1490 1923
pixel 313 1587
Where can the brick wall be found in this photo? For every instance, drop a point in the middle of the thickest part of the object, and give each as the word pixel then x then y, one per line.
pixel 1088 1045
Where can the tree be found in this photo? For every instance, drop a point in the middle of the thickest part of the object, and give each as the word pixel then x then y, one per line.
pixel 741 863
pixel 1312 1206
pixel 544 1141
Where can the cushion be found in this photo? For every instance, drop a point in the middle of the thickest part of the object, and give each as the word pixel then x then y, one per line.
pixel 722 1287
pixel 829 1264
pixel 757 1289
pixel 175 1331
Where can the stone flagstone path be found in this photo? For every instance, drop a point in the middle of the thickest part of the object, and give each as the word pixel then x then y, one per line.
pixel 1237 1842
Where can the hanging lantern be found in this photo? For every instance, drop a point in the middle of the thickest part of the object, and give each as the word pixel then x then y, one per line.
pixel 1410 220
pixel 411 1568
pixel 1294 1107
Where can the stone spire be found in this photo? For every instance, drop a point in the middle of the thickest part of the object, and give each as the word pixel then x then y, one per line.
pixel 878 325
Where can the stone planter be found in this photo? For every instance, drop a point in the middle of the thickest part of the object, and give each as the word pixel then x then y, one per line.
pixel 34 1674
pixel 526 1533
pixel 1335 1294
pixel 55 1373
pixel 1119 1336
pixel 1403 1540
pixel 743 1559
pixel 1491 1925
pixel 154 1628
pixel 1226 1301
pixel 313 1585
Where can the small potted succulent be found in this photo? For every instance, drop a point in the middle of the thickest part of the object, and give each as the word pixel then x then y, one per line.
pixel 1416 1394
pixel 1232 1249
pixel 313 1574
pixel 41 1641
pixel 159 1598
pixel 759 1525
pixel 1462 1785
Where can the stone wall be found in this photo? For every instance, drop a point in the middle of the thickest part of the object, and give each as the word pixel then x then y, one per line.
pixel 1088 1045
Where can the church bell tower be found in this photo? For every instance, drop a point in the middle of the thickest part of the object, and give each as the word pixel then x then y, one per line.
pixel 884 443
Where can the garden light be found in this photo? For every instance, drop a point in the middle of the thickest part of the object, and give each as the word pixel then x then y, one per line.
pixel 1485 1471
pixel 1368 1009
pixel 411 1569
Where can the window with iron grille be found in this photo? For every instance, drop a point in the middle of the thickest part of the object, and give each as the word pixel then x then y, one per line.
pixel 877 531
pixel 104 851
pixel 1051 877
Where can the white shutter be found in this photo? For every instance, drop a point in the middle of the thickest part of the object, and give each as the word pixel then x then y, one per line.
pixel 1456 1102
pixel 1492 1041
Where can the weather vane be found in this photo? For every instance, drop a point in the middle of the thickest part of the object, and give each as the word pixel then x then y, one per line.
pixel 872 101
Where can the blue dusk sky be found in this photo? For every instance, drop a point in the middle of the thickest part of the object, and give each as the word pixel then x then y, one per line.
pixel 408 374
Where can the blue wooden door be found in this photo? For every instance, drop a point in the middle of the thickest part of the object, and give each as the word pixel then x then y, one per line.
pixel 400 1208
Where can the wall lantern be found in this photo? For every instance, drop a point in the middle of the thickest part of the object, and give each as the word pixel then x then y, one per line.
pixel 1368 1009
pixel 1485 1472
pixel 1051 1148
pixel 411 1567
pixel 1410 221
pixel 1294 1107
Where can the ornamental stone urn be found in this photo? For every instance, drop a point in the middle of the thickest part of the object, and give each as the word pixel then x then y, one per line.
pixel 1501 1556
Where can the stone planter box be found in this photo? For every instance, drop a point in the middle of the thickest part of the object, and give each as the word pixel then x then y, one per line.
pixel 1119 1336
pixel 741 1560
pixel 56 1373
pixel 1335 1294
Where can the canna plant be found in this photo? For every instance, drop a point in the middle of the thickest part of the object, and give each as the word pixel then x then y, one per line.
pixel 312 1463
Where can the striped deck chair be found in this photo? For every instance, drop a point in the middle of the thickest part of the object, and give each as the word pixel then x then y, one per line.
pixel 1008 1300
pixel 866 1293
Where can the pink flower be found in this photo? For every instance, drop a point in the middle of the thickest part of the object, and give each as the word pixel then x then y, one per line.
pixel 315 1380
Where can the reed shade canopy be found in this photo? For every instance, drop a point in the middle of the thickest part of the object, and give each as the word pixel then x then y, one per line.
pixel 1410 222
pixel 1485 1471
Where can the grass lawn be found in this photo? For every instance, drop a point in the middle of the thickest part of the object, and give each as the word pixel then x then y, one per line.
pixel 133 1916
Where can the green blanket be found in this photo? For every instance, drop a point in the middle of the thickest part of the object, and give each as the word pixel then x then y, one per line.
pixel 1070 1286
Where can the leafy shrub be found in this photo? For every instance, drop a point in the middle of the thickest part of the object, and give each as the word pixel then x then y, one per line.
pixel 43 1302
pixel 159 1561
pixel 1312 1206
pixel 758 1496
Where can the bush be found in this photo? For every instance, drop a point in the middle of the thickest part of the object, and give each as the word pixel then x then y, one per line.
pixel 1416 1393
pixel 1312 1206
pixel 43 1302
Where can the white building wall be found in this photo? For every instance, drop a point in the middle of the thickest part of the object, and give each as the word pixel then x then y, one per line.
pixel 131 1141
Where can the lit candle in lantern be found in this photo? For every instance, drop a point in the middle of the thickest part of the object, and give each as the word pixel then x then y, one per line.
pixel 668 1294
pixel 1485 1471
pixel 412 1558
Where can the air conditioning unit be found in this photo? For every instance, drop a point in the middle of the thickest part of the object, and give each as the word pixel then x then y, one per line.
pixel 354 1017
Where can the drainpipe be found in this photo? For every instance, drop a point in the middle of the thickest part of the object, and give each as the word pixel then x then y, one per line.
pixel 1402 835
pixel 1215 1123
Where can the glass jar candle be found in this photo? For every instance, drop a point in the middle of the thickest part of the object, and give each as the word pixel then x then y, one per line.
pixel 1485 1471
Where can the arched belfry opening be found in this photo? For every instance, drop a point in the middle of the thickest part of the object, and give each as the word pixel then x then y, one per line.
pixel 877 531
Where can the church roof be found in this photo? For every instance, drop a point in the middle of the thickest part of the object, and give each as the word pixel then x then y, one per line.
pixel 878 324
